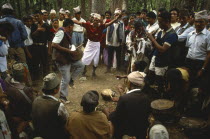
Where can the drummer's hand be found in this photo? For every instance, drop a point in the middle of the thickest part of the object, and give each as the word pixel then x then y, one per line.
pixel 118 76
pixel 206 125
pixel 200 73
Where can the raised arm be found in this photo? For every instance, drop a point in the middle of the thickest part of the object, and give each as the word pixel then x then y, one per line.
pixel 77 22
pixel 115 19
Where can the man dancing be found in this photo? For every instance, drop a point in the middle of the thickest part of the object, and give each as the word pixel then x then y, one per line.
pixel 94 33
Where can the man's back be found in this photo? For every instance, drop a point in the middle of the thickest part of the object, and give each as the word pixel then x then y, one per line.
pixel 92 125
pixel 45 118
pixel 19 34
pixel 131 115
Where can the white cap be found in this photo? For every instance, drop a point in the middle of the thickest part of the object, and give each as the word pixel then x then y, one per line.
pixel 43 11
pixel 76 9
pixel 201 15
pixel 7 6
pixel 117 11
pixel 92 14
pixel 62 11
pixel 154 12
pixel 97 16
pixel 67 11
pixel 52 11
pixel 158 131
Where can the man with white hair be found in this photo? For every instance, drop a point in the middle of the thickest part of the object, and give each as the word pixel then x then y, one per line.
pixel 198 42
pixel 94 33
pixel 133 109
pixel 115 35
pixel 78 31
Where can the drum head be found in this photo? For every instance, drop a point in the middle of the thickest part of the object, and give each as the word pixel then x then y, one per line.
pixel 162 104
pixel 192 123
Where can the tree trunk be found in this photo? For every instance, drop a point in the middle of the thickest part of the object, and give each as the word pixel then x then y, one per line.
pixel 98 6
pixel 60 3
pixel 27 7
pixel 89 7
pixel 83 8
pixel 19 9
pixel 115 4
pixel 124 4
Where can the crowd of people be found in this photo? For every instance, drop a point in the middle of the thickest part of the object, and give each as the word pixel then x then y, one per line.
pixel 164 54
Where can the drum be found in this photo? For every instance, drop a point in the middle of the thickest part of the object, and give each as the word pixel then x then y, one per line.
pixel 107 94
pixel 194 127
pixel 163 110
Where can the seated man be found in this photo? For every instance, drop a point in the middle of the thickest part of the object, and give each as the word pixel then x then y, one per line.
pixel 89 124
pixel 20 97
pixel 132 111
pixel 49 116
pixel 178 86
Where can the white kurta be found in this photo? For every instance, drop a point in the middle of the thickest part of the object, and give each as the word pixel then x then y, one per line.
pixel 91 53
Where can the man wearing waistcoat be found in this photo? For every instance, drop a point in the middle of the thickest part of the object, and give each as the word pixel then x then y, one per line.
pixel 63 52
pixel 49 116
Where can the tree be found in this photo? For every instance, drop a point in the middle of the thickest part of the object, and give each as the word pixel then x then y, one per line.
pixel 98 6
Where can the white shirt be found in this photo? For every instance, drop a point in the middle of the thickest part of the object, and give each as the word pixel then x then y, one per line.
pixel 3 56
pixel 78 28
pixel 29 40
pixel 182 36
pixel 58 36
pixel 199 44
pixel 152 28
pixel 175 25
pixel 61 109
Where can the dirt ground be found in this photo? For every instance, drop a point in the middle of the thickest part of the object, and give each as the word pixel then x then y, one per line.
pixel 103 81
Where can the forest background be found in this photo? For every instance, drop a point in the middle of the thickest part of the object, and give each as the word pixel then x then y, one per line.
pixel 26 7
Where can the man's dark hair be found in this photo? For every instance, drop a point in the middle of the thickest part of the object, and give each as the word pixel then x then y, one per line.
pixel 26 18
pixel 90 101
pixel 140 65
pixel 151 15
pixel 165 16
pixel 38 12
pixel 184 13
pixel 68 22
pixel 192 14
pixel 78 12
pixel 108 12
pixel 7 11
pixel 133 15
pixel 7 26
pixel 138 13
pixel 144 10
pixel 174 77
pixel 161 10
pixel 137 24
pixel 51 91
pixel 175 9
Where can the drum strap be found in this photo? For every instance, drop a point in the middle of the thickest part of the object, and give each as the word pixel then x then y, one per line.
pixel 25 96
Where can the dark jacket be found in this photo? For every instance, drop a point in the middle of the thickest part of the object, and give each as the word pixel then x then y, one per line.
pixel 47 123
pixel 18 36
pixel 20 107
pixel 131 115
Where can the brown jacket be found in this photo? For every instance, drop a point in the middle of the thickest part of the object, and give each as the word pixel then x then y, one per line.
pixel 93 125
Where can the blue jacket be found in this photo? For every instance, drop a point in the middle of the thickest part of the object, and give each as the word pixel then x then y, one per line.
pixel 18 36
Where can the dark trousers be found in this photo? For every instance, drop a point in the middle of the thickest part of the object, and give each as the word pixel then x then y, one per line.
pixel 111 50
pixel 194 66
pixel 39 62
